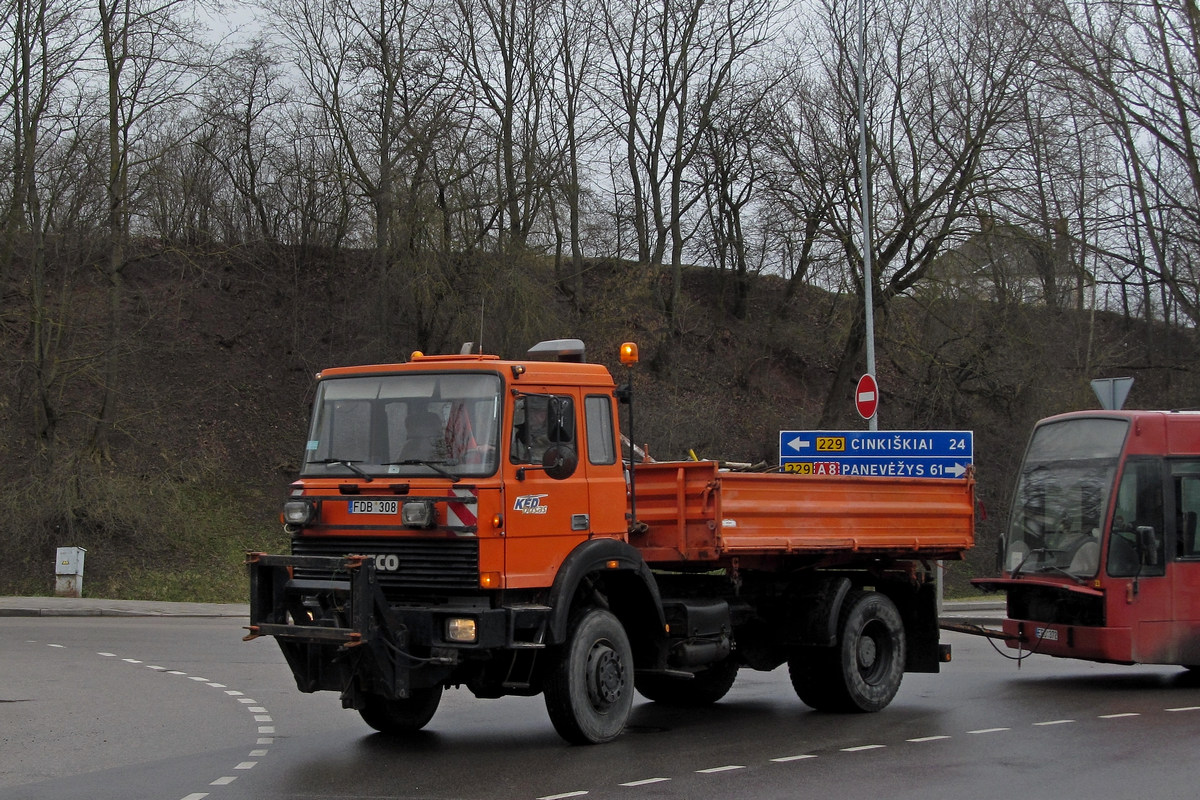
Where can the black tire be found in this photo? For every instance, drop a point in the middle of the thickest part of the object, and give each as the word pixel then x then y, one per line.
pixel 817 680
pixel 589 690
pixel 399 717
pixel 709 686
pixel 863 672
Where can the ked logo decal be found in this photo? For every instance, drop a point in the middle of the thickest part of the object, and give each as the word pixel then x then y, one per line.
pixel 530 504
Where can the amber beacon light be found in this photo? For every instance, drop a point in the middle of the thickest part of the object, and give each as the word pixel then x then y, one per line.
pixel 629 354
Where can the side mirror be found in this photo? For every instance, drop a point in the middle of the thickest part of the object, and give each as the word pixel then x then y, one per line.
pixel 560 462
pixel 1147 544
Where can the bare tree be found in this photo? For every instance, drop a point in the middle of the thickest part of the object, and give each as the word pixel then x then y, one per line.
pixel 668 64
pixel 387 99
pixel 507 48
pixel 151 66
pixel 47 47
pixel 1140 60
pixel 941 82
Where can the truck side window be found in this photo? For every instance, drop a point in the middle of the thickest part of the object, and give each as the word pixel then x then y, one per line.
pixel 1136 546
pixel 540 421
pixel 601 444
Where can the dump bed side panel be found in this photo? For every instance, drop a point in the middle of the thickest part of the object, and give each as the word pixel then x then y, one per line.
pixel 696 513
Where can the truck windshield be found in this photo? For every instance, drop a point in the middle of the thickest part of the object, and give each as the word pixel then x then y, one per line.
pixel 413 425
pixel 1062 496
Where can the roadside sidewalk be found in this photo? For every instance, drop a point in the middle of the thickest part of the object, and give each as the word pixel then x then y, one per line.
pixel 95 607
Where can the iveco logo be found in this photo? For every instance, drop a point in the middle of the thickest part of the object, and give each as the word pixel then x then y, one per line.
pixel 387 562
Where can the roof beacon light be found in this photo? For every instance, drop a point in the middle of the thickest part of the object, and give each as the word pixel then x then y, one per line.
pixel 629 354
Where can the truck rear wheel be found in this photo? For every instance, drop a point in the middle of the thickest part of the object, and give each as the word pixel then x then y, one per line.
pixel 863 671
pixel 403 715
pixel 589 690
pixel 709 686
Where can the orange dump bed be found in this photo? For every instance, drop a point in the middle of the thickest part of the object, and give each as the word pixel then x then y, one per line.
pixel 696 513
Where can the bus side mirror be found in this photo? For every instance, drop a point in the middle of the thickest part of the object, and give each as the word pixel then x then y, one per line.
pixel 1147 544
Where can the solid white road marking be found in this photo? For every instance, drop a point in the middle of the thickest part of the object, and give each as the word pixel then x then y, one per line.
pixel 644 782
pixel 785 759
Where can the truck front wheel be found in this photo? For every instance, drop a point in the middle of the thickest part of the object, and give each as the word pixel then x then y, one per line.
pixel 589 690
pixel 403 715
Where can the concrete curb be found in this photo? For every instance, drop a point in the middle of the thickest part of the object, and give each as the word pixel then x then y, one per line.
pixel 99 607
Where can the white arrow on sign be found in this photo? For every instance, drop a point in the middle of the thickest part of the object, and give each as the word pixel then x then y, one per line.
pixel 799 444
pixel 958 470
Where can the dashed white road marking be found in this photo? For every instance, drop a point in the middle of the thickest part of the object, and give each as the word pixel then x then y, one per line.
pixel 265 732
pixel 865 747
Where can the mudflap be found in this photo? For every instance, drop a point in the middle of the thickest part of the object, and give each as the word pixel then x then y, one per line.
pixel 919 610
pixel 336 632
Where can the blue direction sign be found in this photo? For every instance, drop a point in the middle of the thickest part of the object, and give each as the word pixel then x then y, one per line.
pixel 917 454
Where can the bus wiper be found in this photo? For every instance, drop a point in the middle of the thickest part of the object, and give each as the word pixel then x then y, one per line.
pixel 1016 573
pixel 433 465
pixel 349 464
pixel 1061 571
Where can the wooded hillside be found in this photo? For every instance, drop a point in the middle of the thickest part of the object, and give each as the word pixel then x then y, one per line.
pixel 217 357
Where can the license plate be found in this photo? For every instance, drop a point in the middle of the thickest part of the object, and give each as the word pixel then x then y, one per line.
pixel 374 506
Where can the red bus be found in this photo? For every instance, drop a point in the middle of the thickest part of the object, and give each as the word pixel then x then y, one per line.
pixel 1101 559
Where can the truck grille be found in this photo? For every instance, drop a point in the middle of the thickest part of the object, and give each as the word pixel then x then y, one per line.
pixel 404 565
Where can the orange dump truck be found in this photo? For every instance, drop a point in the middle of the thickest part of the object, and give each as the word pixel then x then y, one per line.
pixel 467 521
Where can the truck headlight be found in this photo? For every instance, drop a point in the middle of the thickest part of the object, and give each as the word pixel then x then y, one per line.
pixel 418 514
pixel 461 629
pixel 299 512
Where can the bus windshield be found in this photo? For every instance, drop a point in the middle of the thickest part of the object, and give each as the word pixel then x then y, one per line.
pixel 1062 495
pixel 411 425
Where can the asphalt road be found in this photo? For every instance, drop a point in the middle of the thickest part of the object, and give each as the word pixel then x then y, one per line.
pixel 179 708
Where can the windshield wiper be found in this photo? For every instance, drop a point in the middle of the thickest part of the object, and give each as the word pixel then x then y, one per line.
pixel 433 465
pixel 347 463
pixel 1016 573
pixel 1061 571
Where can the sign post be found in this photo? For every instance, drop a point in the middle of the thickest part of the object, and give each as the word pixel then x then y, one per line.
pixel 866 397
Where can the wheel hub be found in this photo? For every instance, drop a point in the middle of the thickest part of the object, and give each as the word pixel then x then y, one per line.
pixel 605 676
pixel 868 652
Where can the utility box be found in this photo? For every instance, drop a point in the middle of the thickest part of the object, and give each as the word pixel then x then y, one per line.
pixel 68 572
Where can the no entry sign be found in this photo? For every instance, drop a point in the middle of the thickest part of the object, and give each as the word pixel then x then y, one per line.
pixel 866 396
